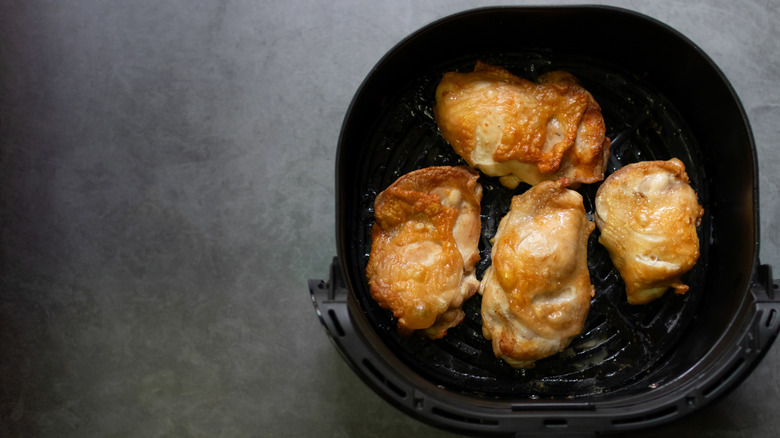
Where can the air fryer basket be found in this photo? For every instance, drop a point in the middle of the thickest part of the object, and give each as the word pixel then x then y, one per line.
pixel 632 366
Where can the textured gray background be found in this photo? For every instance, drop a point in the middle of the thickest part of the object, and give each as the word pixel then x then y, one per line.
pixel 166 189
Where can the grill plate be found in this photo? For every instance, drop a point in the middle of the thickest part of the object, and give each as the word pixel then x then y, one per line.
pixel 620 343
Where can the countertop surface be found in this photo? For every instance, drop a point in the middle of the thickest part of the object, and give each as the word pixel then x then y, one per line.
pixel 167 189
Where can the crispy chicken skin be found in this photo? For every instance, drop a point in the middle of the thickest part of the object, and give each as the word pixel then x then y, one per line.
pixel 647 213
pixel 536 295
pixel 519 130
pixel 424 247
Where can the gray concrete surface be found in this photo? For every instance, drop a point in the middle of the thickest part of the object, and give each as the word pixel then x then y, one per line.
pixel 166 190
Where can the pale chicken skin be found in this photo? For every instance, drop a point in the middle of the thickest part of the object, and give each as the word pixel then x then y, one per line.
pixel 424 247
pixel 647 214
pixel 518 130
pixel 536 295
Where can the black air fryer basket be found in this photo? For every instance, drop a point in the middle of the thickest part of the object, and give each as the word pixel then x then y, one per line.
pixel 632 366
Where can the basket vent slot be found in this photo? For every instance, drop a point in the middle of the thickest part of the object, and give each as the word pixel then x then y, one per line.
pixel 336 324
pixel 671 410
pixel 770 320
pixel 556 423
pixel 381 378
pixel 724 379
pixel 463 418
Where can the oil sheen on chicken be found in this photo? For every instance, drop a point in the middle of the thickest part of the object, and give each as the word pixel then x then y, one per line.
pixel 647 213
pixel 536 295
pixel 518 130
pixel 424 247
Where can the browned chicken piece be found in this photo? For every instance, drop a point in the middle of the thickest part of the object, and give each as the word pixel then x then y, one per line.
pixel 519 130
pixel 647 213
pixel 536 295
pixel 424 247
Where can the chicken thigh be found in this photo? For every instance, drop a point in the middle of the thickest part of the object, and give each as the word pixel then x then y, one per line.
pixel 424 247
pixel 647 213
pixel 519 130
pixel 536 294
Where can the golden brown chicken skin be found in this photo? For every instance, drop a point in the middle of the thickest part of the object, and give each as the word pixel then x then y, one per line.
pixel 647 213
pixel 536 295
pixel 518 130
pixel 424 247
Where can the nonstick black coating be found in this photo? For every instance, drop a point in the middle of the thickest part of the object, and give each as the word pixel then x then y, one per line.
pixel 620 342
pixel 661 98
